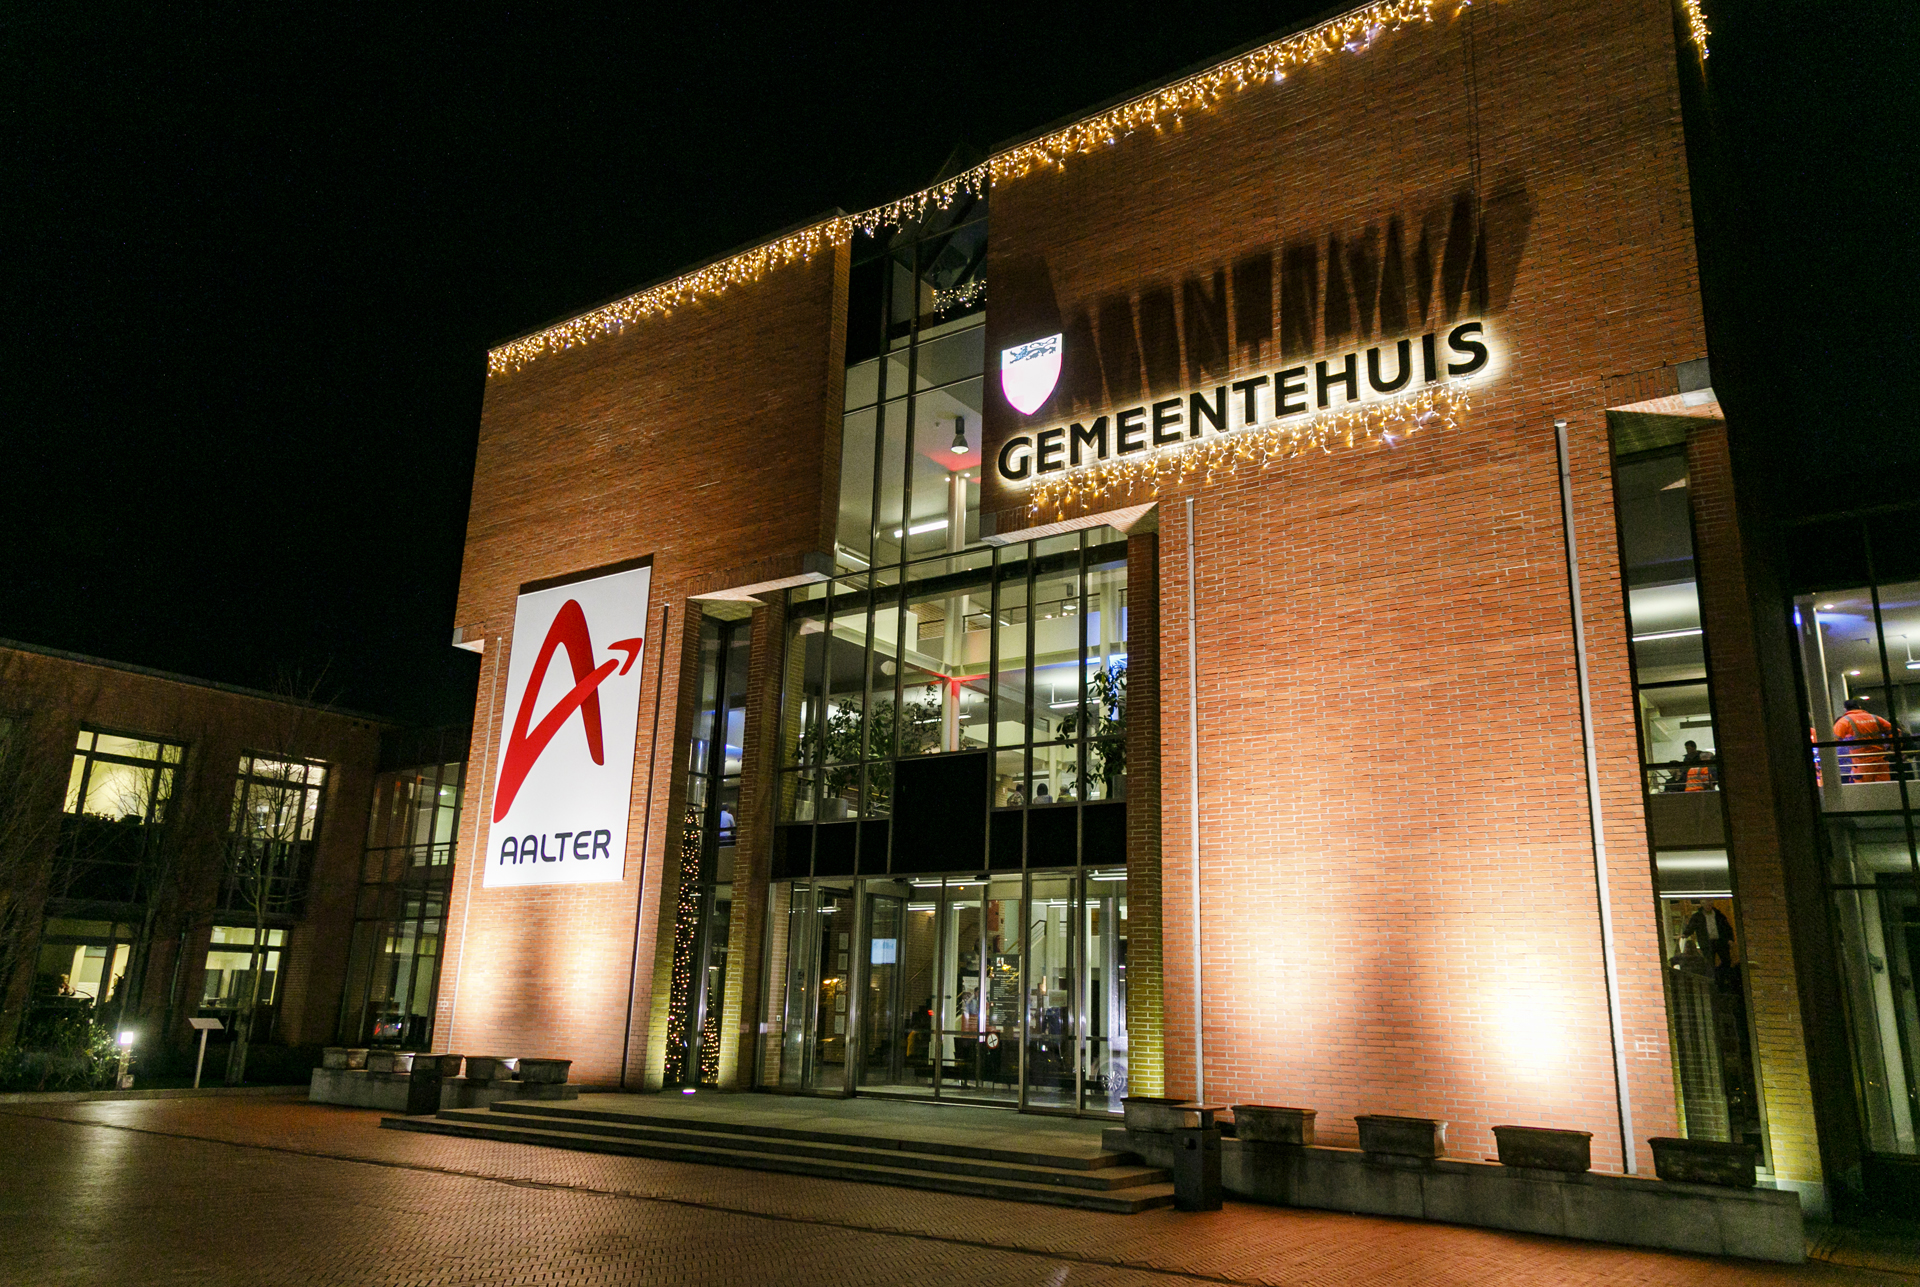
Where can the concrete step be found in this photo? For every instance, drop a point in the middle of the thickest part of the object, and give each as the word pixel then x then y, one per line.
pixel 871 1139
pixel 1143 1189
pixel 889 1153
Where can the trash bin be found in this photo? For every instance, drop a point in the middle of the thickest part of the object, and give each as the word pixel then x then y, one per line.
pixel 1196 1165
pixel 423 1087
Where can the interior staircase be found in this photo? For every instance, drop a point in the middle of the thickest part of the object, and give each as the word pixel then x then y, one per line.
pixel 1093 1181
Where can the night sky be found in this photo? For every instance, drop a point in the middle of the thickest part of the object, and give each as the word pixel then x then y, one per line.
pixel 255 256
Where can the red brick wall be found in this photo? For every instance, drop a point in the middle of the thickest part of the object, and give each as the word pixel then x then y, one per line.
pixel 1758 857
pixel 707 439
pixel 1398 896
pixel 59 694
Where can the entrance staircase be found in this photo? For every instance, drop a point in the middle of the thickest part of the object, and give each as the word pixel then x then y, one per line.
pixel 874 1152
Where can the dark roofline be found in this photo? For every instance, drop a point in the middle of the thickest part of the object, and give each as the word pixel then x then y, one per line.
pixel 1154 86
pixel 831 213
pixel 235 689
pixel 1059 123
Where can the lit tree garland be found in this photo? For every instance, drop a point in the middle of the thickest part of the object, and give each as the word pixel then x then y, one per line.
pixel 686 924
pixel 1351 33
pixel 1384 423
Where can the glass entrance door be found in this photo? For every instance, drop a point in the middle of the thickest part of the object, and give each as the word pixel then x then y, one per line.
pixel 834 916
pixel 896 1000
pixel 1009 989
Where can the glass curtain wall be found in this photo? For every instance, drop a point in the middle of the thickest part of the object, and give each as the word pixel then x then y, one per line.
pixel 948 726
pixel 916 360
pixel 1001 671
pixel 700 934
pixel 393 965
pixel 1856 619
pixel 1707 1012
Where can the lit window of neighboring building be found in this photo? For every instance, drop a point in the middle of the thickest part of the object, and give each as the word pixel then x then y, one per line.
pixel 118 791
pixel 231 960
pixel 275 825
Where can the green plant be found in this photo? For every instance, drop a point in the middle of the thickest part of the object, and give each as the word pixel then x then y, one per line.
pixel 1103 721
pixel 65 1052
pixel 842 750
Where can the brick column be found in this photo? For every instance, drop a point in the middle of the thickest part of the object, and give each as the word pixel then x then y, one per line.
pixel 1753 837
pixel 1146 1008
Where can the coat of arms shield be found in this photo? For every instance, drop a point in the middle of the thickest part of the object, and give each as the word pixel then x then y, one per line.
pixel 1028 373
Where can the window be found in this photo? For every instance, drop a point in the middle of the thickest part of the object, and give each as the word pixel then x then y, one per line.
pixel 991 681
pixel 916 357
pixel 1856 618
pixel 1701 939
pixel 119 789
pixel 273 831
pixel 232 959
pixel 703 917
pixel 393 964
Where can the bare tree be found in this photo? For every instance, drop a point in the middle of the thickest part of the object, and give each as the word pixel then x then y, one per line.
pixel 29 830
pixel 276 814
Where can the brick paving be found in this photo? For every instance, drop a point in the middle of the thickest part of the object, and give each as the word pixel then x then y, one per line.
pixel 267 1191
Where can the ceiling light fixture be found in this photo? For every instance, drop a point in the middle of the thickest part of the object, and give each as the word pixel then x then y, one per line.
pixel 1666 634
pixel 960 447
pixel 1911 663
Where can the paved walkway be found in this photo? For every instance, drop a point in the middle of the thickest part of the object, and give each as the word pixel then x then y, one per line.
pixel 278 1191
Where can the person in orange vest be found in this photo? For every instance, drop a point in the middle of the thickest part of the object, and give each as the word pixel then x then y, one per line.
pixel 1858 724
pixel 1700 773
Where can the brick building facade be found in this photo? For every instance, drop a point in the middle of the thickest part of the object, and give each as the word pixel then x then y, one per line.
pixel 1402 768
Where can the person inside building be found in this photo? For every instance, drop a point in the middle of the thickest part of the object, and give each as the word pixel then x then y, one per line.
pixel 1701 775
pixel 1712 933
pixel 1677 780
pixel 1870 763
pixel 1040 795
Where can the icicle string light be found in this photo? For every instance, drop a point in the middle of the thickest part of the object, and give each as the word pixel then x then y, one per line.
pixel 1385 424
pixel 1351 33
pixel 1697 30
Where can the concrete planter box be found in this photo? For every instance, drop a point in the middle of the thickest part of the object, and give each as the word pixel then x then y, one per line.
pixel 545 1071
pixel 1418 1138
pixel 1160 1114
pixel 334 1057
pixel 356 1057
pixel 390 1061
pixel 449 1065
pixel 1545 1149
pixel 490 1068
pixel 1704 1162
pixel 1269 1126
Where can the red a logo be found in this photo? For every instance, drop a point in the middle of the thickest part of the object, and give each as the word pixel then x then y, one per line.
pixel 569 631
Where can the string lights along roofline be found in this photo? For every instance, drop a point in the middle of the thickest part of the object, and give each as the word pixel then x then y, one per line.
pixel 1352 33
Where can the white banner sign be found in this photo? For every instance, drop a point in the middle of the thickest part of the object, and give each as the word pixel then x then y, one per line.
pixel 567 733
